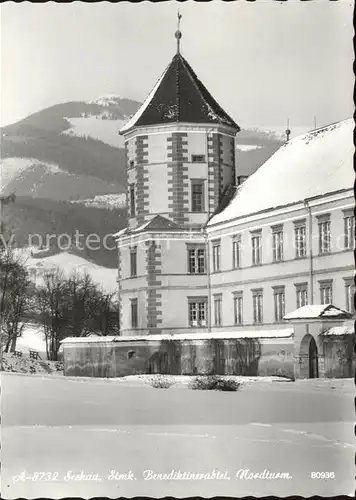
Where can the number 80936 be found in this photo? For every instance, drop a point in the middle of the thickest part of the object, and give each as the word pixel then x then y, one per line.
pixel 322 475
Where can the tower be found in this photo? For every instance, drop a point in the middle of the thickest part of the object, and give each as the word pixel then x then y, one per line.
pixel 180 157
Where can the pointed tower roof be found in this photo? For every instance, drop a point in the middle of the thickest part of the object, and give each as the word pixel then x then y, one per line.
pixel 179 96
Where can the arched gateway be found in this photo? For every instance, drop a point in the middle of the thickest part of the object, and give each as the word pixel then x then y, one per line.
pixel 309 357
pixel 313 325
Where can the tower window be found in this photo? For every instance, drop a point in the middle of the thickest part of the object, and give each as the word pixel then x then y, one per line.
pixel 134 313
pixel 132 200
pixel 133 262
pixel 198 158
pixel 197 196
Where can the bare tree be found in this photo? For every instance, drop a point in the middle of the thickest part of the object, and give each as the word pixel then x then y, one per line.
pixel 52 303
pixel 15 288
pixel 105 313
pixel 81 290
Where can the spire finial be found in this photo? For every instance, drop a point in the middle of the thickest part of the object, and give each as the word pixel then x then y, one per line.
pixel 288 132
pixel 178 33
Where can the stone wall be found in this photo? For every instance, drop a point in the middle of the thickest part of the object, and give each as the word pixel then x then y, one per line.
pixel 188 357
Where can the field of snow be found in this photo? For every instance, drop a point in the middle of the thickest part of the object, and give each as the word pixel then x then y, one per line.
pixel 95 127
pixel 11 168
pixel 69 263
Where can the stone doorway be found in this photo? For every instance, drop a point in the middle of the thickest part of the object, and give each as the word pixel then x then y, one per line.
pixel 313 359
pixel 309 357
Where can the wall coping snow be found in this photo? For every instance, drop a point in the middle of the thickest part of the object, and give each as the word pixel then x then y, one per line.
pixel 246 334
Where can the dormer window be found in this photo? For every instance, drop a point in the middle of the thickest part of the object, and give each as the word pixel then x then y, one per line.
pixel 198 158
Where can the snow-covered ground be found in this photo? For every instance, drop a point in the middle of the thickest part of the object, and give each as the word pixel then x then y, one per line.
pixel 32 338
pixel 12 168
pixel 97 127
pixel 110 201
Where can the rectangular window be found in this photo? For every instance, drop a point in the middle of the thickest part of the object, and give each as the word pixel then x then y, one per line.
pixel 216 257
pixel 257 298
pixel 196 260
pixel 256 249
pixel 217 310
pixel 301 294
pixel 197 196
pixel 132 163
pixel 349 230
pixel 279 303
pixel 324 234
pixel 236 252
pixel 350 295
pixel 198 158
pixel 197 308
pixel 277 235
pixel 134 313
pixel 132 201
pixel 326 292
pixel 238 309
pixel 133 262
pixel 300 241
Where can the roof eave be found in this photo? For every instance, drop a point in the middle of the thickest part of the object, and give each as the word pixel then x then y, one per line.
pixel 233 127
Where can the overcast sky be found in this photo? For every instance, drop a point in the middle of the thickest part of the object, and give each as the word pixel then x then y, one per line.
pixel 263 61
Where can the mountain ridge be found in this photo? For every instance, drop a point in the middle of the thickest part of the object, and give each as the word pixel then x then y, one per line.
pixel 66 164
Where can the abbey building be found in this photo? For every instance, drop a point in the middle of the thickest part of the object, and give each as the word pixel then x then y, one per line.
pixel 204 254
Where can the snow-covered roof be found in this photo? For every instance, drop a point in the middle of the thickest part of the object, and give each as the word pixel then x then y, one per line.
pixel 317 311
pixel 243 334
pixel 157 223
pixel 179 96
pixel 339 330
pixel 313 164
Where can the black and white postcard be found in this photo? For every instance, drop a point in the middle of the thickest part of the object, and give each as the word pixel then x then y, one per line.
pixel 177 235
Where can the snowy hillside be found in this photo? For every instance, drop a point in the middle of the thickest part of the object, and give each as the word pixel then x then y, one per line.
pixel 110 201
pixel 103 125
pixel 69 263
pixel 12 169
pixel 98 127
